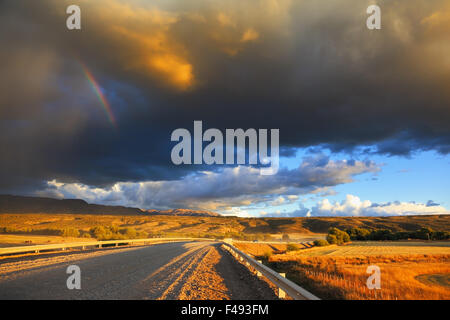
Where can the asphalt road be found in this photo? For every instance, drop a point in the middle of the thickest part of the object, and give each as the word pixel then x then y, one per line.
pixel 194 270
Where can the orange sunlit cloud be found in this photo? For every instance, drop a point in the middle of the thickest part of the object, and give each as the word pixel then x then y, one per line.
pixel 151 49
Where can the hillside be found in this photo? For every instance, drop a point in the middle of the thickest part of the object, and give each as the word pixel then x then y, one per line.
pixel 20 204
pixel 163 225
pixel 183 212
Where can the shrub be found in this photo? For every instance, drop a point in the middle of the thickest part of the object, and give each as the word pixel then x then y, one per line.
pixel 292 247
pixel 142 235
pixel 267 255
pixel 267 237
pixel 70 232
pixel 321 243
pixel 129 233
pixel 285 237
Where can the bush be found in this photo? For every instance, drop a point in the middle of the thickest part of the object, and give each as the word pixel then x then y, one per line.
pixel 292 247
pixel 70 232
pixel 267 237
pixel 285 237
pixel 115 233
pixel 267 255
pixel 321 243
pixel 129 233
pixel 142 235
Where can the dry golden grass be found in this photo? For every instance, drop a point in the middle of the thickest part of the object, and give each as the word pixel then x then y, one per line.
pixel 409 270
pixel 261 249
pixel 150 224
pixel 296 227
pixel 156 225
pixel 380 248
pixel 9 240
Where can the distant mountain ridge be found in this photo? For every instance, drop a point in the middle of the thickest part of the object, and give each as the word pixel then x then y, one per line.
pixel 22 204
pixel 184 212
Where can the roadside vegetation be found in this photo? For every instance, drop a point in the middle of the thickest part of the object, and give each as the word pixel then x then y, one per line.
pixel 98 232
pixel 409 269
pixel 337 236
pixel 424 233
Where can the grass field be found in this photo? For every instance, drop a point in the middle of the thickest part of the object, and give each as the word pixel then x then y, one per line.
pixel 409 270
pixel 9 240
pixel 380 248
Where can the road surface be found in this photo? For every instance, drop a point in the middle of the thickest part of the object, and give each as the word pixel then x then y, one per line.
pixel 183 270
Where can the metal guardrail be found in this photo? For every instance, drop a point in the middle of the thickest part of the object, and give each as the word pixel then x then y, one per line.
pixel 276 242
pixel 292 289
pixel 83 245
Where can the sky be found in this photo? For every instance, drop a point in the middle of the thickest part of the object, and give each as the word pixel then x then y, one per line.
pixel 363 115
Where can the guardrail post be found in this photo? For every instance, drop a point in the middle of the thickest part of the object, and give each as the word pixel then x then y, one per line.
pixel 258 274
pixel 281 293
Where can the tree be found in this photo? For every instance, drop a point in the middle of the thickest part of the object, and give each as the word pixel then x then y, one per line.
pixel 424 233
pixel 336 236
pixel 359 233
pixel 331 238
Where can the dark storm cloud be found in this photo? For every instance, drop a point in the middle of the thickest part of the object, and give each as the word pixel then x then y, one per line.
pixel 311 69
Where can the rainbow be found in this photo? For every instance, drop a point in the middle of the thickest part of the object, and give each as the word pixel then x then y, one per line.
pixel 100 95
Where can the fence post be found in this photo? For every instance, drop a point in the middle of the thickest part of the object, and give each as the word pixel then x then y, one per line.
pixel 258 274
pixel 281 293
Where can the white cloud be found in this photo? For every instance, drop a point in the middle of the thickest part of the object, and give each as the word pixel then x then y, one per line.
pixel 225 189
pixel 354 206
